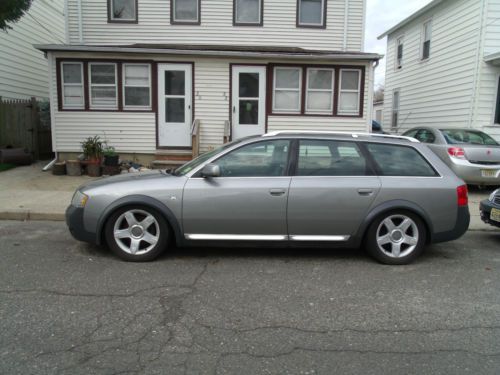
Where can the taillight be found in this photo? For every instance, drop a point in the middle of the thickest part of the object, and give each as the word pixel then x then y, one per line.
pixel 462 196
pixel 456 152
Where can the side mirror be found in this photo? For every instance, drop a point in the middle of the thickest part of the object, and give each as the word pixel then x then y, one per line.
pixel 210 170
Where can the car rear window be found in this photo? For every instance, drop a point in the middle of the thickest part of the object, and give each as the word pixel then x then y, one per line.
pixel 464 136
pixel 330 158
pixel 395 160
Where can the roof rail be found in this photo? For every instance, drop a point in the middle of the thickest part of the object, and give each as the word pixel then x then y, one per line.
pixel 352 134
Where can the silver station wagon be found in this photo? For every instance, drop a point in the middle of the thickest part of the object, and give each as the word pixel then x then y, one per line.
pixel 389 194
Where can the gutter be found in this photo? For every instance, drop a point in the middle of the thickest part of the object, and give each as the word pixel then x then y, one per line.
pixel 260 54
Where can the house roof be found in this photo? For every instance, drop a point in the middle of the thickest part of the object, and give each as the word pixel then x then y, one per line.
pixel 214 50
pixel 407 20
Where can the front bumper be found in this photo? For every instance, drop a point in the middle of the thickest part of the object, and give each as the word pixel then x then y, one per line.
pixel 472 173
pixel 485 209
pixel 74 221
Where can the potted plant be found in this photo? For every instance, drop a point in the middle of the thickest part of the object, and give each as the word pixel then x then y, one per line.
pixel 110 156
pixel 93 151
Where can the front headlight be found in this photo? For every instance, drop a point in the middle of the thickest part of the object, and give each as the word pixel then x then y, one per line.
pixel 79 199
pixel 492 195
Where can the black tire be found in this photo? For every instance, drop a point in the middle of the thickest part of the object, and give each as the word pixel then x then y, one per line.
pixel 146 251
pixel 377 229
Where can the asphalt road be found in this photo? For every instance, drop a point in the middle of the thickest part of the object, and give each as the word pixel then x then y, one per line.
pixel 70 308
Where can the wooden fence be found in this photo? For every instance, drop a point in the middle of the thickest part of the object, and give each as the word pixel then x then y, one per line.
pixel 26 124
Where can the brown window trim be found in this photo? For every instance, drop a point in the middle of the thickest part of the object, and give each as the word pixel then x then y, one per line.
pixel 297 20
pixel 86 86
pixel 336 90
pixel 174 22
pixel 255 24
pixel 113 20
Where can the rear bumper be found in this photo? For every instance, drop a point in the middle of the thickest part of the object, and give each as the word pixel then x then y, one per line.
pixel 472 173
pixel 74 221
pixel 485 209
pixel 461 226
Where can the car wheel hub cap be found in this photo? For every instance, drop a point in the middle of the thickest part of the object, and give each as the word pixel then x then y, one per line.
pixel 136 232
pixel 397 236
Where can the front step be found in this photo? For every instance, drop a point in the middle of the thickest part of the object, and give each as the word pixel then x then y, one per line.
pixel 166 164
pixel 165 159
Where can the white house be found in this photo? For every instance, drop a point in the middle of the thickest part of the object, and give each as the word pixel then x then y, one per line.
pixel 23 69
pixel 443 67
pixel 142 73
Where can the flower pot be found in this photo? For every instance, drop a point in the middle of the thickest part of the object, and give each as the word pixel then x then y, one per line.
pixel 94 170
pixel 59 169
pixel 73 168
pixel 111 161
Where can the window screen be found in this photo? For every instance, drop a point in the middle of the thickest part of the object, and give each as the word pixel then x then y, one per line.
pixel 330 158
pixel 395 160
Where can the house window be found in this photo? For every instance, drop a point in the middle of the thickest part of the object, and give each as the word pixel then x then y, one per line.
pixel 287 89
pixel 185 11
pixel 319 93
pixel 399 53
pixel 497 111
pixel 395 109
pixel 136 86
pixel 311 13
pixel 72 85
pixel 122 10
pixel 426 44
pixel 350 92
pixel 103 86
pixel 248 12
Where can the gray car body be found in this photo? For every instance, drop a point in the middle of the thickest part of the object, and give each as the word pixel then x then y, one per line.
pixel 310 206
pixel 469 171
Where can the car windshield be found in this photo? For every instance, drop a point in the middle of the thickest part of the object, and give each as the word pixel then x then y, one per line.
pixel 189 166
pixel 461 136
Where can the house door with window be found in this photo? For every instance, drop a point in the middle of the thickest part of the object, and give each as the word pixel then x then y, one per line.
pixel 174 105
pixel 248 101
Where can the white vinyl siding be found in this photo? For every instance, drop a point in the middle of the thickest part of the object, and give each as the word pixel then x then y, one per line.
pixel 23 69
pixel 216 27
pixel 136 86
pixel 136 131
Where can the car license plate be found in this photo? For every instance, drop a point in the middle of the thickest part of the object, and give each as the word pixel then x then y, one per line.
pixel 488 172
pixel 495 215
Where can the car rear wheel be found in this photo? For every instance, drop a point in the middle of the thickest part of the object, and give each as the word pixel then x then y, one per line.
pixel 136 233
pixel 396 237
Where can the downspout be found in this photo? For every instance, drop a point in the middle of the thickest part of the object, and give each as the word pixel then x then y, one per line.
pixel 52 110
pixel 346 19
pixel 80 27
pixel 369 111
pixel 66 22
pixel 473 102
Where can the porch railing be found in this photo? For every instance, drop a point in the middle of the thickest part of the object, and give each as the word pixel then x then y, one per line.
pixel 227 131
pixel 195 137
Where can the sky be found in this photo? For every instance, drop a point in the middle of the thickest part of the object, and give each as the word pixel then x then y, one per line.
pixel 381 15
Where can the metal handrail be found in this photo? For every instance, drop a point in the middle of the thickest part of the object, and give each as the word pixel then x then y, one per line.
pixel 227 131
pixel 354 135
pixel 195 138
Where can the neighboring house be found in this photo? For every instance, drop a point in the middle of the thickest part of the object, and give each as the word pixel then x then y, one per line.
pixel 141 72
pixel 23 69
pixel 378 112
pixel 443 67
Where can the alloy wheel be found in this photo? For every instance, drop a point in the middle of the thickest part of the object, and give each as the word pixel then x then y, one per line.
pixel 136 232
pixel 397 236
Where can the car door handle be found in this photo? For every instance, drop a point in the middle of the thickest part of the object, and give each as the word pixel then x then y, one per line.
pixel 277 192
pixel 365 191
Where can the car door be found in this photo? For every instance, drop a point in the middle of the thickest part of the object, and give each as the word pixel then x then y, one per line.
pixel 247 201
pixel 331 191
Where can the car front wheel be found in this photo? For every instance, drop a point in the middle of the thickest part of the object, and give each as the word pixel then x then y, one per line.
pixel 136 233
pixel 396 237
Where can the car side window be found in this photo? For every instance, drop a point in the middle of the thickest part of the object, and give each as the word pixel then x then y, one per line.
pixel 425 136
pixel 396 160
pixel 330 158
pixel 261 159
pixel 411 133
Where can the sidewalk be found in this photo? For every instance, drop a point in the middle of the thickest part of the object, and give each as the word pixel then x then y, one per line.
pixel 28 193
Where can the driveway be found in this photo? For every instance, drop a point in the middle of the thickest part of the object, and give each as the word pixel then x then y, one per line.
pixel 70 308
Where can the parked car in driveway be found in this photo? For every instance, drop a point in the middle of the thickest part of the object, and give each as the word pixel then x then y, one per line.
pixel 472 154
pixel 388 193
pixel 490 209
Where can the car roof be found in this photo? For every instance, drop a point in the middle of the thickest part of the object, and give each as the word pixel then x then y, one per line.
pixel 382 138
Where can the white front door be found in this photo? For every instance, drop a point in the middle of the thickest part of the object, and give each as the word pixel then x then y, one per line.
pixel 248 101
pixel 174 105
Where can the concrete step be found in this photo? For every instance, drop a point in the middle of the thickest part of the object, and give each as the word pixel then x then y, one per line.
pixel 163 164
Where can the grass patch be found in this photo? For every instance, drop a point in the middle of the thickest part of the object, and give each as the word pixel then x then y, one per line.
pixel 4 167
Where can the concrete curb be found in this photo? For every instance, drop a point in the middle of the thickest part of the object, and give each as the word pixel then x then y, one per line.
pixel 24 215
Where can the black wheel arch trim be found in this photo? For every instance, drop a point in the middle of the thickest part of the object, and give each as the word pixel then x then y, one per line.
pixel 397 204
pixel 141 200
